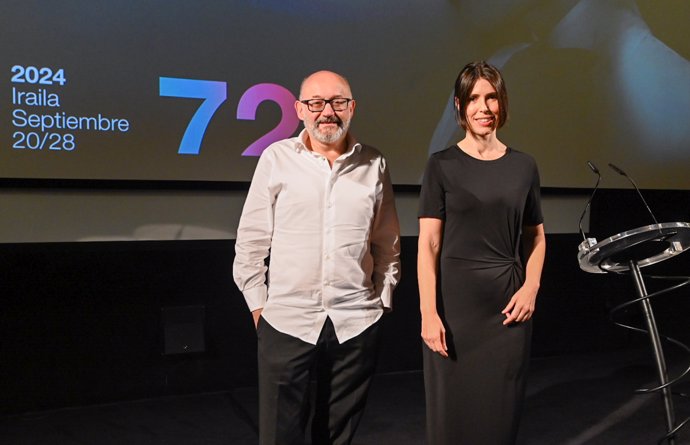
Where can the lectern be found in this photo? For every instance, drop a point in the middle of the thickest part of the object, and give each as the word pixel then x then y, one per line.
pixel 627 252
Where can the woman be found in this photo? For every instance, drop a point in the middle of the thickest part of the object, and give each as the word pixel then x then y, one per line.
pixel 481 245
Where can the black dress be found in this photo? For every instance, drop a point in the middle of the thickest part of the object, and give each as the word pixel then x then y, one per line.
pixel 474 397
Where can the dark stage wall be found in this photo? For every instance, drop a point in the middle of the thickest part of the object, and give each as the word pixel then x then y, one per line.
pixel 85 323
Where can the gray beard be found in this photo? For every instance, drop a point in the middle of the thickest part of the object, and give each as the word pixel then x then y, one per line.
pixel 329 138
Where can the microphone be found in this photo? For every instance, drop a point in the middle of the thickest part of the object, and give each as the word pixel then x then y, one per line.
pixel 622 173
pixel 589 201
pixel 587 243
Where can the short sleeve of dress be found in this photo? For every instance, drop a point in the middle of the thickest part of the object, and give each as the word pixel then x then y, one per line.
pixel 432 195
pixel 533 215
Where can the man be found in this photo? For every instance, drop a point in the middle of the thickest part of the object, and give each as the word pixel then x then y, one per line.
pixel 321 205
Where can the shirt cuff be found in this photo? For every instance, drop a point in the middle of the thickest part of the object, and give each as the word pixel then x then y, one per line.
pixel 255 297
pixel 387 298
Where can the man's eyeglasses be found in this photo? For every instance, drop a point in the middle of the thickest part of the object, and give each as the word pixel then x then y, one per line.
pixel 337 103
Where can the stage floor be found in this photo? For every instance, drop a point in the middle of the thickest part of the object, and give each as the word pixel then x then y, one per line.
pixel 576 399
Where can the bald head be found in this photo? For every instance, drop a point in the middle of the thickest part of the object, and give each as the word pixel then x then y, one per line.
pixel 313 85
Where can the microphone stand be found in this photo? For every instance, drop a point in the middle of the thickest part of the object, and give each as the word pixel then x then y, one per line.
pixel 589 242
pixel 607 256
pixel 639 193
pixel 659 358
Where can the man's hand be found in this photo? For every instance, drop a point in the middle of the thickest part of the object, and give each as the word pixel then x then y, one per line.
pixel 256 314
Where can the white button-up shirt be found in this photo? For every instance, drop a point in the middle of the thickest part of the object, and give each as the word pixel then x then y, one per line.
pixel 332 234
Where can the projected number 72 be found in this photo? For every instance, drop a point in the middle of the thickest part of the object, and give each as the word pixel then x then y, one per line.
pixel 214 93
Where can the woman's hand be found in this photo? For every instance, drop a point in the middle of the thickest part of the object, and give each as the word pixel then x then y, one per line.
pixel 521 306
pixel 434 334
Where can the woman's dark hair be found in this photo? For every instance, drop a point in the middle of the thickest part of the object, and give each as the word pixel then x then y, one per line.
pixel 464 84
